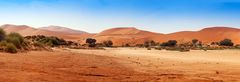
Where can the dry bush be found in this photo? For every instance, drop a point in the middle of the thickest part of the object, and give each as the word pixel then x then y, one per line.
pixel 2 34
pixel 226 42
pixel 170 43
pixel 107 43
pixel 11 48
pixel 158 48
pixel 16 39
pixel 149 48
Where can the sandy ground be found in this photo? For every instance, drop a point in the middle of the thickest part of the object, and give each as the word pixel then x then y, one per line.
pixel 196 65
pixel 120 64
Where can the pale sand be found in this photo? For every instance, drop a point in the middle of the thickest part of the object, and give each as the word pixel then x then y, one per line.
pixel 221 65
pixel 120 64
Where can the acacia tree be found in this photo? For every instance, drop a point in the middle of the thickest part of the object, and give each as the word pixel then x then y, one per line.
pixel 194 41
pixel 91 42
pixel 226 42
pixel 152 43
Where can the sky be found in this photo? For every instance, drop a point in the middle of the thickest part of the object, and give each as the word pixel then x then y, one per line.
pixel 163 16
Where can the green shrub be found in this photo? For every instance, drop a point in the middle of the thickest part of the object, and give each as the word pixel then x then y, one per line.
pixel 3 43
pixel 2 34
pixel 226 42
pixel 16 39
pixel 11 48
pixel 38 44
pixel 52 41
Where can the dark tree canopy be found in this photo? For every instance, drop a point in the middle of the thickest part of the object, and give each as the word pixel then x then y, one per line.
pixel 91 42
pixel 226 42
pixel 194 41
pixel 170 43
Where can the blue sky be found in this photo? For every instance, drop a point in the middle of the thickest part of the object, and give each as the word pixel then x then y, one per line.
pixel 163 16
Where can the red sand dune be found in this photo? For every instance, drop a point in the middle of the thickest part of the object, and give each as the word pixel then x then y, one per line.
pixel 130 35
pixel 208 35
pixel 134 36
pixel 69 34
pixel 123 35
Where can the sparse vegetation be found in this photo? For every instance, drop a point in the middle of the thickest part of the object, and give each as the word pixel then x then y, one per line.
pixel 215 43
pixel 146 44
pixel 11 48
pixel 149 43
pixel 237 46
pixel 108 43
pixel 126 45
pixel 149 48
pixel 14 42
pixel 42 42
pixel 170 43
pixel 52 41
pixel 2 34
pixel 158 48
pixel 139 45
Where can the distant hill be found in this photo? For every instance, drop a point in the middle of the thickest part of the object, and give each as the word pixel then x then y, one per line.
pixel 62 29
pixel 25 30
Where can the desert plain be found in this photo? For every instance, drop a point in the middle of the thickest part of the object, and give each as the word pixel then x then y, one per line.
pixel 120 64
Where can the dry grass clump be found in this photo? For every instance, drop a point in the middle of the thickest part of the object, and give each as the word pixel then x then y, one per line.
pixel 11 48
pixel 12 42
